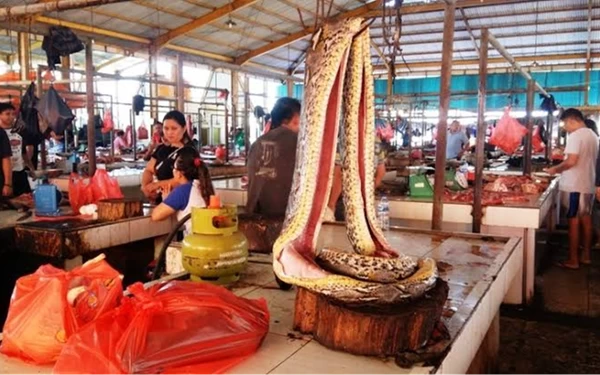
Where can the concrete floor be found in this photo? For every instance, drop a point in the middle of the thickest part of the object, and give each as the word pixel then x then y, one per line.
pixel 533 347
pixel 569 292
pixel 560 332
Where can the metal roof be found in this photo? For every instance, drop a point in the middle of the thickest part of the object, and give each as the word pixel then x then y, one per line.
pixel 537 29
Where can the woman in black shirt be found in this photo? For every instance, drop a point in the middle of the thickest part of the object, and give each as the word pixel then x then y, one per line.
pixel 160 166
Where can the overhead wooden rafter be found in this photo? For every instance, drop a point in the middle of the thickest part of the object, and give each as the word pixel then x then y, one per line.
pixel 458 64
pixel 202 20
pixel 51 6
pixel 303 33
pixel 202 57
pixel 439 6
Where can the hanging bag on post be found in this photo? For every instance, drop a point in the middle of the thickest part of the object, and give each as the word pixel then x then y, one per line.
pixel 142 132
pixel 508 133
pixel 55 111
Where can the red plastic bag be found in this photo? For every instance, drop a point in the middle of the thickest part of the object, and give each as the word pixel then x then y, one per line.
pixel 176 327
pixel 105 187
pixel 80 192
pixel 48 306
pixel 385 133
pixel 142 132
pixel 508 133
pixel 107 122
pixel 538 143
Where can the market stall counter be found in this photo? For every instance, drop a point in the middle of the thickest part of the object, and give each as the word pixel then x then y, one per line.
pixel 520 218
pixel 478 269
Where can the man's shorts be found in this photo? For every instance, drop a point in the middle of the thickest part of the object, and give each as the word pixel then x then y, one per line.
pixel 577 204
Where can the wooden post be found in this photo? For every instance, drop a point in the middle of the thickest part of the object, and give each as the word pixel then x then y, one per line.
pixel 89 90
pixel 549 125
pixel 440 153
pixel 290 88
pixel 153 69
pixel 39 93
pixel 529 137
pixel 588 60
pixel 235 99
pixel 24 60
pixel 65 62
pixel 481 128
pixel 180 84
pixel 247 116
pixel 390 86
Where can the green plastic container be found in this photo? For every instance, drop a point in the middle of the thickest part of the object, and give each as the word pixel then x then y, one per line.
pixel 420 186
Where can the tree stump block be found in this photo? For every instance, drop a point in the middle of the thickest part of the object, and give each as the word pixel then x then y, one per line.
pixel 367 329
pixel 117 209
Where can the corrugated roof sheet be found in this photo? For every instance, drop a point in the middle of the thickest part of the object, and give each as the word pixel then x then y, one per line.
pixel 560 26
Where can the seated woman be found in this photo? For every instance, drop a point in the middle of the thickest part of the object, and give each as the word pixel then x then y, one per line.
pixel 191 186
pixel 120 143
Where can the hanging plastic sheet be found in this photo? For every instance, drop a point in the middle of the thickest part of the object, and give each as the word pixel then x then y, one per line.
pixel 56 113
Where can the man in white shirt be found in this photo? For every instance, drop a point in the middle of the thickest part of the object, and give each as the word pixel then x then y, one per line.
pixel 577 185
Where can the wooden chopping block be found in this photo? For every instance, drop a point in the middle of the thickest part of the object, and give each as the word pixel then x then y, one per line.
pixel 120 208
pixel 370 330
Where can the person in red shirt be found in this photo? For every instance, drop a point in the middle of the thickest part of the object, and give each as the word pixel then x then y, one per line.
pixel 157 139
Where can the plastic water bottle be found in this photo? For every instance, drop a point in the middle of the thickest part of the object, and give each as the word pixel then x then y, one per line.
pixel 383 213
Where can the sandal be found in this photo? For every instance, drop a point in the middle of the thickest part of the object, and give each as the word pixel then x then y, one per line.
pixel 565 265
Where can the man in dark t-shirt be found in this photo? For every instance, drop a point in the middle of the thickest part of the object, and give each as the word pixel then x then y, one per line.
pixel 5 165
pixel 272 159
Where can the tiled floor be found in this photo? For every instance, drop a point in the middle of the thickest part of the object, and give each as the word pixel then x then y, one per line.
pixel 570 292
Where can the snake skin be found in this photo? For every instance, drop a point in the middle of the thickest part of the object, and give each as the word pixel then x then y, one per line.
pixel 339 71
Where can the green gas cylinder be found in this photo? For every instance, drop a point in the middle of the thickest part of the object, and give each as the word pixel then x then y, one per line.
pixel 215 251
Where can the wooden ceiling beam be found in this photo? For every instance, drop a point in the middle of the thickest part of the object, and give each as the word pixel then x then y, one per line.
pixel 51 6
pixel 561 9
pixel 460 50
pixel 439 6
pixel 276 15
pixel 202 20
pixel 303 33
pixel 92 29
pixel 467 38
pixel 466 64
pixel 495 60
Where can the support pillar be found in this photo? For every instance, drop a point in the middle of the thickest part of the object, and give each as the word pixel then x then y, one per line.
pixel 290 88
pixel 549 130
pixel 89 91
pixel 153 69
pixel 65 62
pixel 180 84
pixel 247 115
pixel 588 60
pixel 446 75
pixel 481 129
pixel 235 99
pixel 24 55
pixel 529 137
pixel 39 92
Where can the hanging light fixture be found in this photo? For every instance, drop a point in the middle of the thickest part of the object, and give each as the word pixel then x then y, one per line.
pixel 230 23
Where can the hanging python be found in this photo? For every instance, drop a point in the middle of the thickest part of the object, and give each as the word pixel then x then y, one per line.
pixel 339 82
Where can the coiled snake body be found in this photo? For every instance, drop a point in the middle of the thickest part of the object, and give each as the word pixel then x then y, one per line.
pixel 339 72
